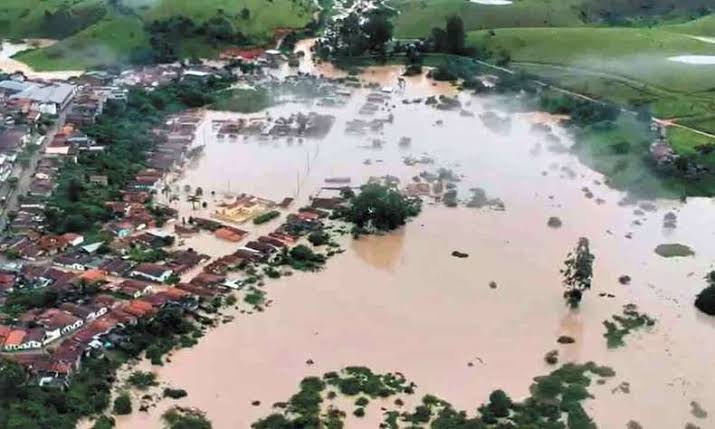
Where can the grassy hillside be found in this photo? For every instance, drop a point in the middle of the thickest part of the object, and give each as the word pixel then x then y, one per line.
pixel 120 33
pixel 704 26
pixel 46 18
pixel 109 41
pixel 628 65
pixel 417 17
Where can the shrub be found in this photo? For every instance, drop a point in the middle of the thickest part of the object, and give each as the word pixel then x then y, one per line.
pixel 142 380
pixel 705 301
pixel 122 404
pixel 265 217
pixel 174 393
pixel 318 238
pixel 104 422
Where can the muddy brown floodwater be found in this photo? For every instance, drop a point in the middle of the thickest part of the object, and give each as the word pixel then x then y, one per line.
pixel 401 302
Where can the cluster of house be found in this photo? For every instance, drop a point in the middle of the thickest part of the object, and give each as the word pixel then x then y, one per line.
pixel 73 330
pixel 22 105
pixel 253 55
pixel 153 76
pixel 134 274
pixel 266 246
pixel 81 323
pixel 173 141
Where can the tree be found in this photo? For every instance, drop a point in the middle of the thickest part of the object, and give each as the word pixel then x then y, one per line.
pixel 499 403
pixel 578 272
pixel 705 300
pixel 455 35
pixel 193 199
pixel 122 404
pixel 245 13
pixel 12 375
pixel 380 207
pixel 378 29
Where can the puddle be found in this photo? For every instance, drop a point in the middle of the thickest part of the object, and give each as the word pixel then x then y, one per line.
pixel 694 59
pixel 704 39
pixel 492 2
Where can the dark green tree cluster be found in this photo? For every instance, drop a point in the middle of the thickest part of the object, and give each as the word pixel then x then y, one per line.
pixel 359 34
pixel 378 208
pixel 122 404
pixel 578 272
pixel 184 418
pixel 66 20
pixel 449 40
pixel 705 300
pixel 25 405
pixel 554 403
pixel 168 36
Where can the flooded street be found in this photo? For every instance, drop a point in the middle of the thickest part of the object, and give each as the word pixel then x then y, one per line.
pixel 401 302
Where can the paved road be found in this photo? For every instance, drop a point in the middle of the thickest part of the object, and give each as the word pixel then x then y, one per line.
pixel 24 175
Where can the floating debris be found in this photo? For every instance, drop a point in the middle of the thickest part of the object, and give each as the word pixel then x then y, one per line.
pixel 458 254
pixel 554 222
pixel 565 339
pixel 697 411
pixel 552 357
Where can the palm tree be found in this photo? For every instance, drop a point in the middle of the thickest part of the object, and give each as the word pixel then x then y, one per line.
pixel 193 199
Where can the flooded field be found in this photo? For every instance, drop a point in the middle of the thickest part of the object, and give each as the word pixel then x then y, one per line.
pixel 401 302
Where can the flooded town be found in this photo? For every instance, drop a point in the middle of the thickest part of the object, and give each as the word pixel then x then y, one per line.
pixel 313 233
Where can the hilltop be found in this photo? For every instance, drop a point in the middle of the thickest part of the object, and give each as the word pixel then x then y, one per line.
pixel 99 32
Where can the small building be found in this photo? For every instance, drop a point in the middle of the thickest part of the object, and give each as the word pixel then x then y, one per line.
pixel 152 272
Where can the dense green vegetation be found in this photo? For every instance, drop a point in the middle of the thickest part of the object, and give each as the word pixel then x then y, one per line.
pixel 554 403
pixel 243 100
pixel 416 18
pixel 122 404
pixel 622 325
pixel 79 206
pixel 358 33
pixel 378 208
pixel 52 19
pixel 28 406
pixel 302 258
pixel 266 217
pixel 100 32
pixel 705 300
pixel 184 418
pixel 578 272
pixel 142 380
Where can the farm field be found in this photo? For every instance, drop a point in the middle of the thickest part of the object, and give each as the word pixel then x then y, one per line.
pixel 117 34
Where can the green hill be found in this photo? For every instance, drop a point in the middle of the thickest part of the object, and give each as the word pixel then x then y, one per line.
pixel 417 17
pixel 627 65
pixel 111 31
